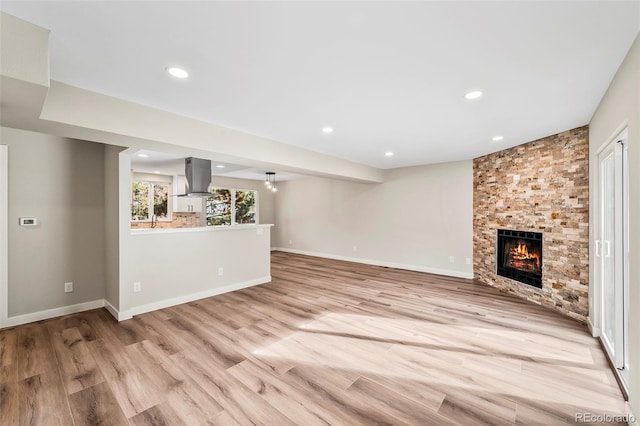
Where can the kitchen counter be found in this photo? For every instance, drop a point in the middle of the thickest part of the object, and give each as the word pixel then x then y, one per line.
pixel 152 231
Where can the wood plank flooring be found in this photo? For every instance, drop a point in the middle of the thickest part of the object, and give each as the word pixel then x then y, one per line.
pixel 325 343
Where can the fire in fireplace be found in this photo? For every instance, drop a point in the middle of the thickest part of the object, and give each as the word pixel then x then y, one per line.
pixel 519 256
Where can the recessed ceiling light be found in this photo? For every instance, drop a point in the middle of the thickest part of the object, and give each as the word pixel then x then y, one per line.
pixel 177 72
pixel 473 95
pixel 389 154
pixel 220 166
pixel 327 130
pixel 497 138
pixel 143 155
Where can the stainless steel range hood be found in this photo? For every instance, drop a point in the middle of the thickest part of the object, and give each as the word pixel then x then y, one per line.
pixel 198 174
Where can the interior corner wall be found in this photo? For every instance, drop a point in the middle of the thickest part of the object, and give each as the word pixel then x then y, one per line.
pixel 417 219
pixel 59 182
pixel 620 107
pixel 112 224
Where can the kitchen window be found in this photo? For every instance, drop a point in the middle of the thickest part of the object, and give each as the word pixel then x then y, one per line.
pixel 150 200
pixel 232 207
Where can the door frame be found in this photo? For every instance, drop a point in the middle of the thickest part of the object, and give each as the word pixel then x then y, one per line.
pixel 4 236
pixel 607 238
pixel 625 252
pixel 621 262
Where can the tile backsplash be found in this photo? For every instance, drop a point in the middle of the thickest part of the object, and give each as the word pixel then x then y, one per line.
pixel 178 220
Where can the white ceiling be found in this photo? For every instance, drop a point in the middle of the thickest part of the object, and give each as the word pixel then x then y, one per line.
pixel 387 76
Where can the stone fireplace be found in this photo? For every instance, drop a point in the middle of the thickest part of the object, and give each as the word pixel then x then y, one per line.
pixel 534 193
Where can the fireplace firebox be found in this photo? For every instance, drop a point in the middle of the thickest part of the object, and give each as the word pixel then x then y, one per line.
pixel 519 256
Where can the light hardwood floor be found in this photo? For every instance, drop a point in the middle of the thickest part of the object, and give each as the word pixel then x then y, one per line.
pixel 326 342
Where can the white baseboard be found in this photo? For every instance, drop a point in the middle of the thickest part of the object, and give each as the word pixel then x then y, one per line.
pixel 52 313
pixel 128 314
pixel 595 331
pixel 137 310
pixel 112 310
pixel 437 271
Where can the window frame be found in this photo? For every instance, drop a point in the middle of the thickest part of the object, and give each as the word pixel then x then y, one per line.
pixel 233 206
pixel 152 184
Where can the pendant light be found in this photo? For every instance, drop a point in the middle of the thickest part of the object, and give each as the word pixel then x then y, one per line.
pixel 270 181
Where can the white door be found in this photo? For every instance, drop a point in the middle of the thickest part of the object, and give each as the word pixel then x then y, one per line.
pixel 612 249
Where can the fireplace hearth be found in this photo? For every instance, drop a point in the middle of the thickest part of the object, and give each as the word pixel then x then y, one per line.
pixel 519 256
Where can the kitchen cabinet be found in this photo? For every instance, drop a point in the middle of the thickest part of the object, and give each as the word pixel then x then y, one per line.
pixel 189 204
pixel 185 204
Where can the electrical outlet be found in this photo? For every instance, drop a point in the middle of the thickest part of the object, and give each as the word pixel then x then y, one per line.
pixel 355 248
pixel 451 259
pixel 137 287
pixel 220 271
pixel 468 261
pixel 68 287
pixel 290 242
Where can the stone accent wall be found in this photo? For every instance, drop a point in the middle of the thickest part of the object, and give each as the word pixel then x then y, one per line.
pixel 540 186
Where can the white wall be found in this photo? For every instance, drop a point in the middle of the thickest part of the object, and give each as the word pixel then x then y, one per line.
pixel 619 107
pixel 182 265
pixel 60 182
pixel 416 219
pixel 25 50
